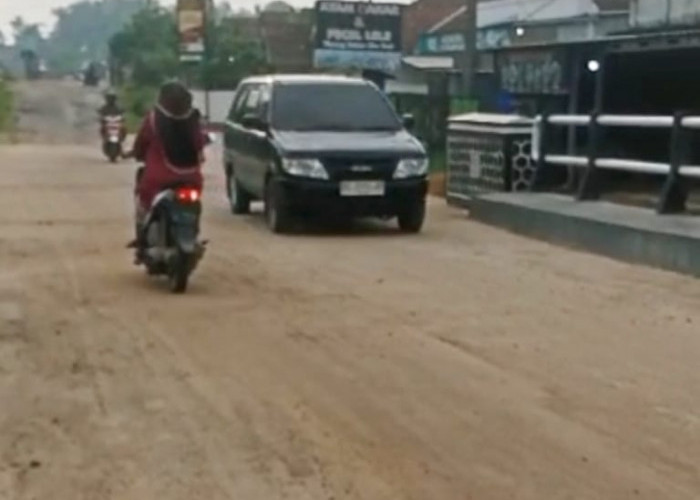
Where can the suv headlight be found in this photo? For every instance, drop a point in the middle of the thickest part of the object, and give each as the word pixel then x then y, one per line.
pixel 305 167
pixel 411 167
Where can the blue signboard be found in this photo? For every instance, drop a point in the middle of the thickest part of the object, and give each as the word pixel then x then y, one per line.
pixel 449 43
pixel 351 59
pixel 440 43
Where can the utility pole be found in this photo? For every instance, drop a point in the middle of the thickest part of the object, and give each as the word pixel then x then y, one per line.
pixel 209 20
pixel 469 59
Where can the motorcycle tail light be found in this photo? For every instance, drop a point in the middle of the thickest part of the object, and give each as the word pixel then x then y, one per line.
pixel 188 195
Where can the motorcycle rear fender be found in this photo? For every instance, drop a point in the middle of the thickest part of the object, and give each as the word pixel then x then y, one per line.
pixel 182 220
pixel 184 230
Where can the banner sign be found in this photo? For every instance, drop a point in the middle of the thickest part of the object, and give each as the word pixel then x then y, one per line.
pixel 191 26
pixel 358 35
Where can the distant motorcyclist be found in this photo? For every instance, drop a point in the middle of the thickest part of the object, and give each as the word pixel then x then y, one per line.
pixel 110 108
pixel 171 145
pixel 91 75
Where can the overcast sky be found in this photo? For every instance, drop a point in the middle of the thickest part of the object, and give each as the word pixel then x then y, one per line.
pixel 40 11
pixel 33 11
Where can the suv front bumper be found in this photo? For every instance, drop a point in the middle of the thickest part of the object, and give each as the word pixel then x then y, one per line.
pixel 313 197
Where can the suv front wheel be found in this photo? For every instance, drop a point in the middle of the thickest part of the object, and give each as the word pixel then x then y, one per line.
pixel 412 216
pixel 238 197
pixel 277 213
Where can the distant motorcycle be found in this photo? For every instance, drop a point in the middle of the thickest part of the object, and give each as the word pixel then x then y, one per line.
pixel 92 74
pixel 114 131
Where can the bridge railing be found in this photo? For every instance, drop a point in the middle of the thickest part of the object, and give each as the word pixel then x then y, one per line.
pixel 677 170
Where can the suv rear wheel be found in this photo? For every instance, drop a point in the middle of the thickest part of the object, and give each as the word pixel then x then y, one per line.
pixel 238 197
pixel 277 213
pixel 412 216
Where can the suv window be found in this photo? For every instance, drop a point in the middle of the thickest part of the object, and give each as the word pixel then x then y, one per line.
pixel 235 114
pixel 331 106
pixel 254 99
pixel 264 104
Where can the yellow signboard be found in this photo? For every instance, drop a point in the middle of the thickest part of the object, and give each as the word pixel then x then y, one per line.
pixel 191 23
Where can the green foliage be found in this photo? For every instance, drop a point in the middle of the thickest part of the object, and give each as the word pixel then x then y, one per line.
pixel 147 47
pixel 27 36
pixel 5 105
pixel 232 56
pixel 145 52
pixel 83 30
pixel 438 159
pixel 137 101
pixel 460 105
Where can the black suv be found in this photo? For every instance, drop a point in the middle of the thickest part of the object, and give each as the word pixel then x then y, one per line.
pixel 316 144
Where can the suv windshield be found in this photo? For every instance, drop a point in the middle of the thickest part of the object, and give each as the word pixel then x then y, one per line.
pixel 336 107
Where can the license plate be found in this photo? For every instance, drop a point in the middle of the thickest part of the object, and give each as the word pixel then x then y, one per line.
pixel 362 188
pixel 114 139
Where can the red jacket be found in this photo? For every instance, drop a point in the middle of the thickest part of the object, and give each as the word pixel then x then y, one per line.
pixel 159 172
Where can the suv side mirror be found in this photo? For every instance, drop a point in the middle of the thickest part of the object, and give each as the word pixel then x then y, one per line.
pixel 408 121
pixel 253 121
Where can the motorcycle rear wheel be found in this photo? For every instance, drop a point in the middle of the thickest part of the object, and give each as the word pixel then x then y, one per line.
pixel 112 152
pixel 179 273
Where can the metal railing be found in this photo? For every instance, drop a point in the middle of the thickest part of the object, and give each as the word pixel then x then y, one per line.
pixel 677 171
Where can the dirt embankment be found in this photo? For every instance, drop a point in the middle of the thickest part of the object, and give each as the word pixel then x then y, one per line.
pixel 52 112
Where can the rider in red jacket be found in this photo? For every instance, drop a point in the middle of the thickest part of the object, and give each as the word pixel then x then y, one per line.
pixel 171 145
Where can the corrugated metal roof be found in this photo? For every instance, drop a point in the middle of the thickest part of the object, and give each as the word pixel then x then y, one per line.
pixel 509 11
pixel 496 12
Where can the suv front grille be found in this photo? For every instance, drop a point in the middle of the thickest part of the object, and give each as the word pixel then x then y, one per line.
pixel 340 169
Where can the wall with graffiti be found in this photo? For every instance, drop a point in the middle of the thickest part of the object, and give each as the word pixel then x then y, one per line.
pixel 533 72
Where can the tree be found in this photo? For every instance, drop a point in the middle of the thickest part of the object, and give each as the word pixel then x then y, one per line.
pixel 27 36
pixel 147 47
pixel 17 25
pixel 232 56
pixel 83 31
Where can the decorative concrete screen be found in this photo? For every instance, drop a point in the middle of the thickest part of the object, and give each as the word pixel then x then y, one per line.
pixel 488 153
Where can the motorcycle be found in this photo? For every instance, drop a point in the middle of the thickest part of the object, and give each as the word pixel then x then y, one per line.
pixel 114 134
pixel 169 234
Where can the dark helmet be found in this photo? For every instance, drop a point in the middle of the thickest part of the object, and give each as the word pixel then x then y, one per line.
pixel 175 99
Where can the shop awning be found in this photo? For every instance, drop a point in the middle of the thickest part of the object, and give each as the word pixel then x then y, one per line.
pixel 430 63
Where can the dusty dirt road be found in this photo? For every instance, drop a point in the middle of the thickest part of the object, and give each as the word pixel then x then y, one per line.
pixel 463 363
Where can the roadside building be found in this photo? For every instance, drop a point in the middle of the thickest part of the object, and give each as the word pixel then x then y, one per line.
pixel 510 73
pixel 631 58
pixel 519 65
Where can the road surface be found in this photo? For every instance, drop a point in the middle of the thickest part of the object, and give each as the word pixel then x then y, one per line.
pixel 463 363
